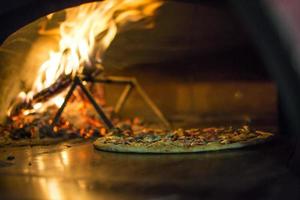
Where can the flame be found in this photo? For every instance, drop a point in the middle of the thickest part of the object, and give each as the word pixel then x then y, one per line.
pixel 86 33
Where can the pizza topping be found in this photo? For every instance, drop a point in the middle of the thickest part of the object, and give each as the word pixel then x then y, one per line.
pixel 181 137
pixel 263 133
pixel 179 132
pixel 151 138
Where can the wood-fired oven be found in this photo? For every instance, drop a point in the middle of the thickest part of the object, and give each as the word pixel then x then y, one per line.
pixel 179 64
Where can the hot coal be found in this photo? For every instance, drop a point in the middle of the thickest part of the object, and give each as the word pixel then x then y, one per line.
pixel 79 118
pixel 79 121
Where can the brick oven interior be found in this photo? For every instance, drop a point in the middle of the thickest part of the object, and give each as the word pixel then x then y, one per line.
pixel 199 65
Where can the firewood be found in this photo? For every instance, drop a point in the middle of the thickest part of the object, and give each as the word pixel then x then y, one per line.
pixel 44 95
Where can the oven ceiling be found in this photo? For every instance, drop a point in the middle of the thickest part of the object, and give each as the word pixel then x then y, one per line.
pixel 209 18
pixel 202 30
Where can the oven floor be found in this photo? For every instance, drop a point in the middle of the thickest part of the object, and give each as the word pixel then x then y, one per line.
pixel 77 171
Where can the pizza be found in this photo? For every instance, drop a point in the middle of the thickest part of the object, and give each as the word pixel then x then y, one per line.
pixel 180 140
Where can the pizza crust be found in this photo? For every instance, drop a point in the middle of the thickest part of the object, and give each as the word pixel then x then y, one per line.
pixel 162 148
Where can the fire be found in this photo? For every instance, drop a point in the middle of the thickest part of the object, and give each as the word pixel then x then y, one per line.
pixel 86 33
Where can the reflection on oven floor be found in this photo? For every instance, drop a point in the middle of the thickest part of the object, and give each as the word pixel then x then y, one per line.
pixel 77 171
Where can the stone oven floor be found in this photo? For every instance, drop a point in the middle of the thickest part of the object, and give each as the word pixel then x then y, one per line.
pixel 77 171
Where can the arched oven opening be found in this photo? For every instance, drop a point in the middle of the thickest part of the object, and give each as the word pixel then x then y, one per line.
pixel 148 64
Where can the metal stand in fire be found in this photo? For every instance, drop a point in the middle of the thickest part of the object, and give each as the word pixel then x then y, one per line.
pixel 130 83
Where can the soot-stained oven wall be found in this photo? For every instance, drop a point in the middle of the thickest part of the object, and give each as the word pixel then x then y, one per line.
pixel 15 14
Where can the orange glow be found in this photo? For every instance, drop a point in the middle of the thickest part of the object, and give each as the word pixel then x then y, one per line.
pixel 86 33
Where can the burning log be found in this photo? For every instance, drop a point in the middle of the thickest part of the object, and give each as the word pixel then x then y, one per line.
pixel 44 95
pixel 58 86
